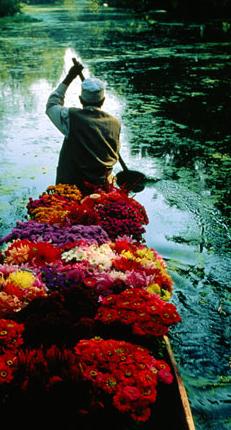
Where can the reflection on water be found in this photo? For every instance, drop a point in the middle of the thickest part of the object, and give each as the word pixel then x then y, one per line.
pixel 172 92
pixel 113 104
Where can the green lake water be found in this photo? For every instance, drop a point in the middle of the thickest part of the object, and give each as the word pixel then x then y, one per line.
pixel 169 83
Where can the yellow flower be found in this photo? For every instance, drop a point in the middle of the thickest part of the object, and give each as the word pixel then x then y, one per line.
pixel 143 256
pixel 166 295
pixel 154 289
pixel 22 278
pixel 128 255
pixel 145 253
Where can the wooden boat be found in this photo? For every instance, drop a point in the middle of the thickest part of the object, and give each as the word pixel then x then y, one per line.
pixel 179 397
pixel 171 411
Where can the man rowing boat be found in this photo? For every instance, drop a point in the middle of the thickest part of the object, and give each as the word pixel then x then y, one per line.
pixel 92 137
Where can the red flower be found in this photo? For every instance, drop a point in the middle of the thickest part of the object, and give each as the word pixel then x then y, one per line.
pixel 14 290
pixel 54 380
pixel 44 252
pixel 131 393
pixel 123 244
pixel 7 367
pixel 122 263
pixel 37 254
pixel 165 376
pixel 89 282
pixel 142 415
pixel 146 313
pixel 123 370
pixel 10 335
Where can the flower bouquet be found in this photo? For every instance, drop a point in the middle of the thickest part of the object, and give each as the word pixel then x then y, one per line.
pixel 124 260
pixel 76 271
pixel 116 212
pixel 126 372
pixel 145 313
pixel 102 266
pixel 102 371
pixel 56 234
pixel 25 252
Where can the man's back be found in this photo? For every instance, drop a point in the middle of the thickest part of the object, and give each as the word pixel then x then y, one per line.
pixel 91 148
pixel 91 145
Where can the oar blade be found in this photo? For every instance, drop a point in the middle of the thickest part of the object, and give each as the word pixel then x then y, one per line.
pixel 131 180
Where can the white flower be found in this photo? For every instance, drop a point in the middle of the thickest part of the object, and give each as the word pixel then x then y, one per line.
pixel 97 256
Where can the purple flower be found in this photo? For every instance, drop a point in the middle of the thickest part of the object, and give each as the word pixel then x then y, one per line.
pixel 53 233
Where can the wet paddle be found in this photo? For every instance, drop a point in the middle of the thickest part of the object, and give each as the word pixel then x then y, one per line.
pixel 129 180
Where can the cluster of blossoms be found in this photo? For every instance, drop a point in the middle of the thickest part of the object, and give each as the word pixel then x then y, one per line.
pixel 53 209
pixel 10 340
pixel 62 275
pixel 45 368
pixel 146 313
pixel 123 260
pixel 116 212
pixel 125 371
pixel 55 204
pixel 59 275
pixel 97 256
pixel 17 288
pixel 140 258
pixel 56 234
pixel 77 267
pixel 70 192
pixel 10 335
pixel 100 266
pixel 25 252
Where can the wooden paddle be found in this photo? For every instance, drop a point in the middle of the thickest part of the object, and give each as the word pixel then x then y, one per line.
pixel 129 180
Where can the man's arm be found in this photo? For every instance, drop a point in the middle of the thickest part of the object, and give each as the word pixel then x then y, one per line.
pixel 58 114
pixel 55 110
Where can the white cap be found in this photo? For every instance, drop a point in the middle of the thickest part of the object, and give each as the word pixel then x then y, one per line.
pixel 92 90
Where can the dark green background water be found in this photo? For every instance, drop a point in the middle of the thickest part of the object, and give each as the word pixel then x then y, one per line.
pixel 169 83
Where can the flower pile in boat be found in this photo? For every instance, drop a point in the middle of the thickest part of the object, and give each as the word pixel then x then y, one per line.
pixel 145 313
pixel 107 369
pixel 125 371
pixel 116 212
pixel 98 265
pixel 69 274
pixel 56 234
